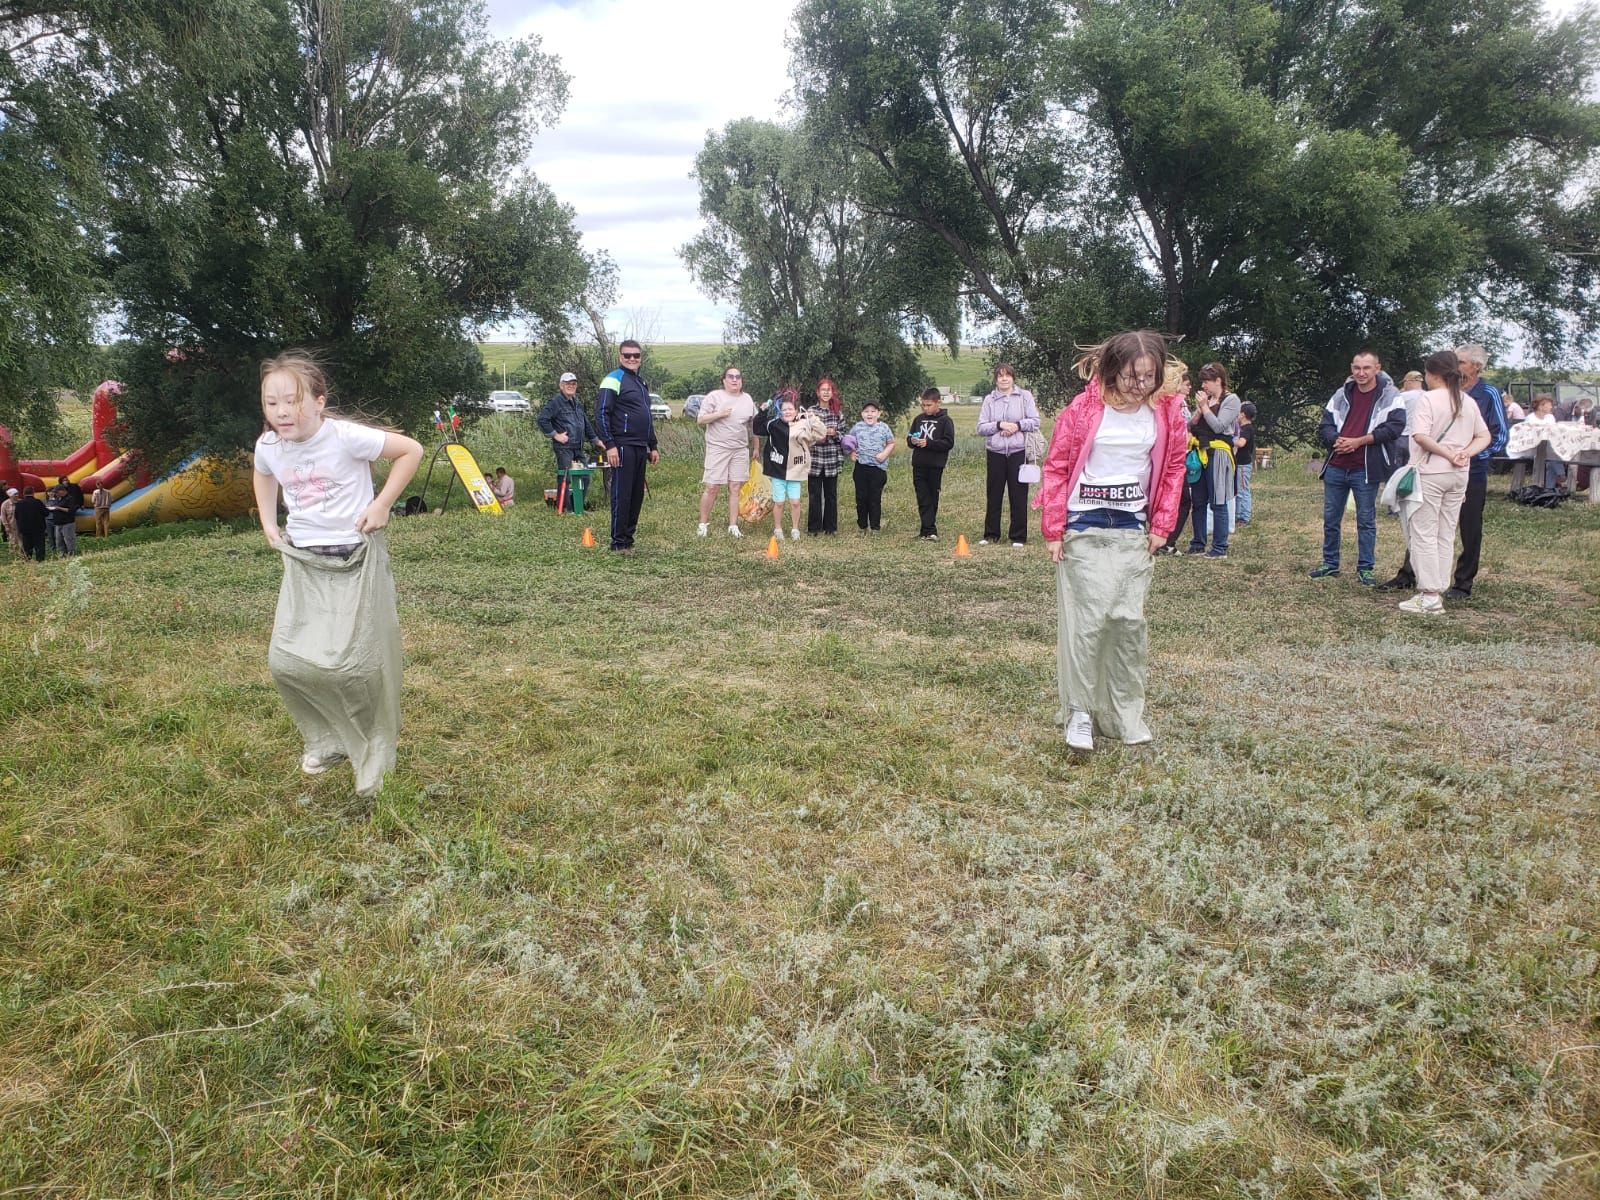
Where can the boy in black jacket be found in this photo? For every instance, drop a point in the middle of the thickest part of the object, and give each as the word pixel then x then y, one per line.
pixel 932 436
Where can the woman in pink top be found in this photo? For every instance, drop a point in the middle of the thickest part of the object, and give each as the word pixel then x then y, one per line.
pixel 1109 494
pixel 1446 431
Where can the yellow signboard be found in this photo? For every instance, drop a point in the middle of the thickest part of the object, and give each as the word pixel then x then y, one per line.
pixel 468 472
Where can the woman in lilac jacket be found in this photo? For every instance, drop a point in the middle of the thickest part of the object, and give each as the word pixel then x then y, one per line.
pixel 1007 416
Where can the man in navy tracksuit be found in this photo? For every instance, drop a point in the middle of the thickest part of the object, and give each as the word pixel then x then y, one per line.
pixel 626 430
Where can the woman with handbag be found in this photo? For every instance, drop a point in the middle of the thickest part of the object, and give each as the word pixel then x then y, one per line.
pixel 1109 498
pixel 1007 417
pixel 1446 431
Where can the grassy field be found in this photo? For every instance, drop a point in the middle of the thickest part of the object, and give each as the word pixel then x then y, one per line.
pixel 708 876
pixel 682 357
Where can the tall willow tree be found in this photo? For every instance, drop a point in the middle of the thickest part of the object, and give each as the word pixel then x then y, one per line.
pixel 349 182
pixel 58 61
pixel 819 285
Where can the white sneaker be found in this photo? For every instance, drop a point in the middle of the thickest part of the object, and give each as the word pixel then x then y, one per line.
pixel 794 535
pixel 312 765
pixel 1080 731
pixel 1430 606
pixel 733 532
pixel 702 529
pixel 983 541
pixel 1019 545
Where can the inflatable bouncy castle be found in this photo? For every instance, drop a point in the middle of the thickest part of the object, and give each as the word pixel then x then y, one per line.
pixel 197 488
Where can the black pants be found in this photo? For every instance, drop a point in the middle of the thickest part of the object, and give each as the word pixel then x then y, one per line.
pixel 1003 481
pixel 822 504
pixel 627 494
pixel 869 483
pixel 1184 502
pixel 1471 528
pixel 33 541
pixel 927 479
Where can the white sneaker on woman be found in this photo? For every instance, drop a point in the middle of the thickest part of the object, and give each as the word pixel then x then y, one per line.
pixel 733 531
pixel 702 529
pixel 1080 731
pixel 794 535
pixel 1429 606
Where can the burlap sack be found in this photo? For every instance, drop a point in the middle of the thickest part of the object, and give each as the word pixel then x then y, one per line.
pixel 335 656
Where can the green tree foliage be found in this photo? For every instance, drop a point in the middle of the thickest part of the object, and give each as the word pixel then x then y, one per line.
pixel 1274 183
pixel 60 61
pixel 820 284
pixel 50 285
pixel 345 182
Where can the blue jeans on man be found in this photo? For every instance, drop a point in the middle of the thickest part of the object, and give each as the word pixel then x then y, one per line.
pixel 1337 485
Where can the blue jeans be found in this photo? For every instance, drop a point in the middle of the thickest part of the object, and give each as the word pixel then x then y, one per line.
pixel 1337 484
pixel 1201 506
pixel 1103 518
pixel 1243 507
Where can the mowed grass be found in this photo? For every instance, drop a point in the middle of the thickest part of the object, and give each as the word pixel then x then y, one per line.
pixel 708 876
pixel 960 373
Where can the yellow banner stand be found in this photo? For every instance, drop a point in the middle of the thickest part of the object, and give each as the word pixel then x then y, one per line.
pixel 471 476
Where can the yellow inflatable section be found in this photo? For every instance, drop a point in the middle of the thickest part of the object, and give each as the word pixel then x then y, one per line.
pixel 199 489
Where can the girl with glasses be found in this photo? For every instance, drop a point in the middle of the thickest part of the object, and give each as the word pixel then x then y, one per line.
pixel 1109 497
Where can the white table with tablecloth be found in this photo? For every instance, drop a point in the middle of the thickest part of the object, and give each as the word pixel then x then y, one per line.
pixel 1569 441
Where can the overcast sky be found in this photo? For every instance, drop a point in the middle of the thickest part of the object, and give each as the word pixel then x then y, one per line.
pixel 649 79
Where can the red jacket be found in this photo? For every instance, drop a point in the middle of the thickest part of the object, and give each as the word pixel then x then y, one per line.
pixel 1069 451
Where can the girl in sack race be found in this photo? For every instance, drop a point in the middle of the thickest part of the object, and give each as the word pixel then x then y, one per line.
pixel 1109 498
pixel 335 651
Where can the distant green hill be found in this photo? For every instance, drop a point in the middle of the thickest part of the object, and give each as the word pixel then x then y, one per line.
pixel 680 358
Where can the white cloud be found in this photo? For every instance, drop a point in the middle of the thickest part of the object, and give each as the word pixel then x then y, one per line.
pixel 649 79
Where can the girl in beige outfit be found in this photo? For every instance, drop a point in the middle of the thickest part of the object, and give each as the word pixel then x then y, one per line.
pixel 1446 431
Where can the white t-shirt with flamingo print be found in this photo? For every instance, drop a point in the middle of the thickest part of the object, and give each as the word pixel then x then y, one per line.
pixel 326 479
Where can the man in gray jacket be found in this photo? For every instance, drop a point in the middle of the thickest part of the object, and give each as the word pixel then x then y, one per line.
pixel 1363 427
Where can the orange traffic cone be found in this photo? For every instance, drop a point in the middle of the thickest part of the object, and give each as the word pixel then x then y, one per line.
pixel 772 548
pixel 588 538
pixel 962 549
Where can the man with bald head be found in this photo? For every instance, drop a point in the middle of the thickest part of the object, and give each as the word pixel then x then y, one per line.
pixel 1472 358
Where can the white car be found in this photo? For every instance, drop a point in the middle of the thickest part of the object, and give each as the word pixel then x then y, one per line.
pixel 509 402
pixel 660 410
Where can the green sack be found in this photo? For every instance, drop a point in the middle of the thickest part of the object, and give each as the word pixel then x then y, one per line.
pixel 335 656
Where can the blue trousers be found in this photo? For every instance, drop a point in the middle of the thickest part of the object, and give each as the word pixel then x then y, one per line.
pixel 1337 485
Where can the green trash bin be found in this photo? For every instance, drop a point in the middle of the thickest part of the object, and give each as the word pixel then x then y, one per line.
pixel 573 482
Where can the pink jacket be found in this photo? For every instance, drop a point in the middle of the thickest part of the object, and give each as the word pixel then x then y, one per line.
pixel 1069 451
